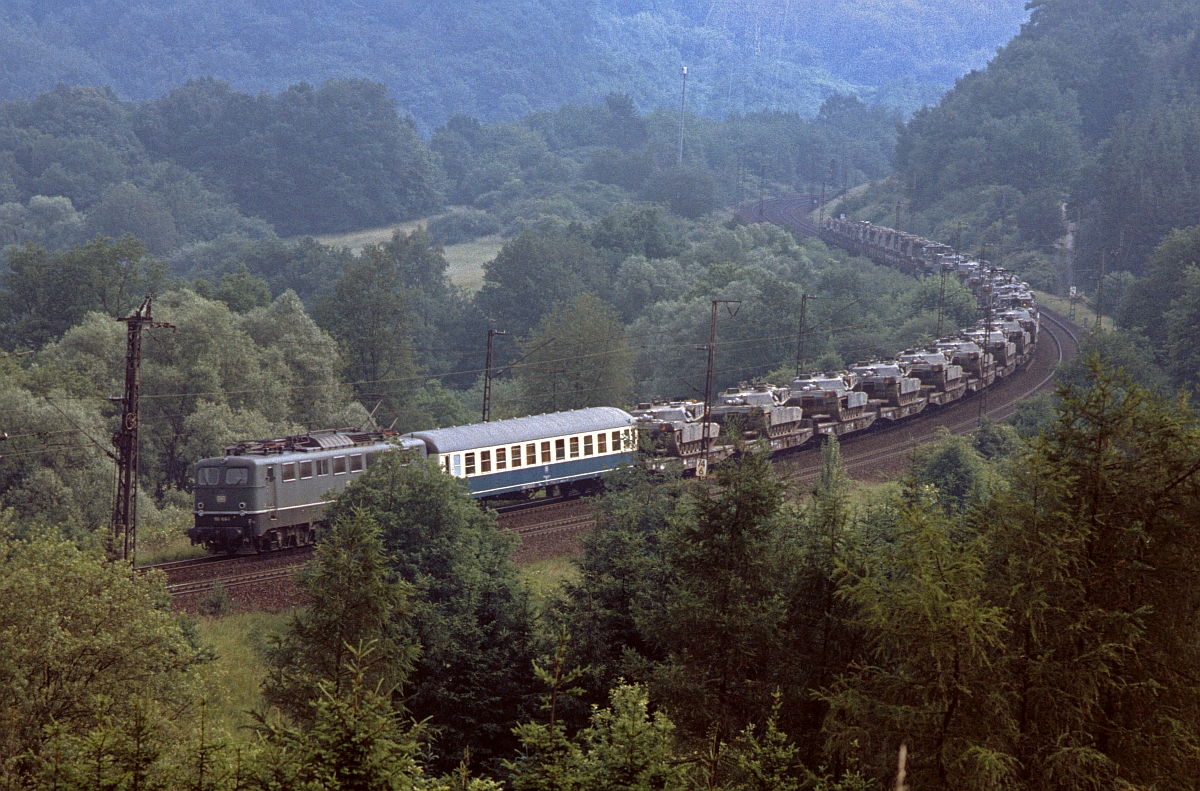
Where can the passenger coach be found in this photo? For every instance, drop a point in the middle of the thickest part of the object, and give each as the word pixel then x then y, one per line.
pixel 572 450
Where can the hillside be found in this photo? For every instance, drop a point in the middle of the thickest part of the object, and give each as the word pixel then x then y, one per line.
pixel 502 58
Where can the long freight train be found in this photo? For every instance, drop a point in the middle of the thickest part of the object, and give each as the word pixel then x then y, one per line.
pixel 266 495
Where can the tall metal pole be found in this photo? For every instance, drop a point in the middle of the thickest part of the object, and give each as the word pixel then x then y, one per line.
pixel 1100 293
pixel 124 519
pixel 941 302
pixel 800 340
pixel 682 108
pixel 708 377
pixel 487 375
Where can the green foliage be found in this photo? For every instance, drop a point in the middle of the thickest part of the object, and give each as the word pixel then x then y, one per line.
pixel 1022 645
pixel 726 602
pixel 42 295
pixel 470 613
pixel 576 358
pixel 90 657
pixel 355 739
pixel 217 603
pixel 462 226
pixel 354 601
pixel 367 313
pixel 309 160
pixel 243 292
pixel 954 469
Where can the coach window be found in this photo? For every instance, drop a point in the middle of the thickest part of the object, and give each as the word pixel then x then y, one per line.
pixel 546 452
pixel 485 461
pixel 560 449
pixel 501 458
pixel 616 438
pixel 339 465
pixel 515 452
pixel 236 476
pixel 531 453
pixel 305 470
pixel 601 444
pixel 446 464
pixel 322 466
pixel 289 471
pixel 356 464
pixel 457 466
pixel 470 464
pixel 587 445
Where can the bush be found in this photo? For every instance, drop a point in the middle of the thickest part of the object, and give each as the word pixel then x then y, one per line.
pixel 217 603
pixel 462 226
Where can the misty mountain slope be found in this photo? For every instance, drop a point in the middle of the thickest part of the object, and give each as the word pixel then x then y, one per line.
pixel 501 58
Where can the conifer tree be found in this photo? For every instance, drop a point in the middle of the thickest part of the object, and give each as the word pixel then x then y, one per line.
pixel 354 600
pixel 722 626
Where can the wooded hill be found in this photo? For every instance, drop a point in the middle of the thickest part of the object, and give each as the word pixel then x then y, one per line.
pixel 500 59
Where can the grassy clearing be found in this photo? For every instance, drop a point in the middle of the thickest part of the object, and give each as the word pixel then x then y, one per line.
pixel 547 577
pixel 357 240
pixel 236 675
pixel 466 261
pixel 1085 314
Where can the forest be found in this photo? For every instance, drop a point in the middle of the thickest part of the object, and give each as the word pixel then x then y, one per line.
pixel 502 59
pixel 1016 611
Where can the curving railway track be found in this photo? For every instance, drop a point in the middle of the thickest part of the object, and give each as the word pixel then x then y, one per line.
pixel 885 451
pixel 553 527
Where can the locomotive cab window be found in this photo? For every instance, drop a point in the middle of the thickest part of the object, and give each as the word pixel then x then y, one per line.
pixel 501 458
pixel 516 455
pixel 306 469
pixel 289 471
pixel 470 464
pixel 322 466
pixel 587 445
pixel 600 442
pixel 560 449
pixel 356 463
pixel 485 461
pixel 208 476
pixel 236 476
pixel 339 465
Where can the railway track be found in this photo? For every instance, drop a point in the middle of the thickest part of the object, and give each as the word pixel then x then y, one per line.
pixel 890 448
pixel 190 579
pixel 883 450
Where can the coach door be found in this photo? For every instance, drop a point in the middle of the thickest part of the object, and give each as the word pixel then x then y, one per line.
pixel 272 493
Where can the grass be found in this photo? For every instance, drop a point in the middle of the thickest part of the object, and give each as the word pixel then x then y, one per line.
pixel 236 675
pixel 1085 314
pixel 178 548
pixel 466 261
pixel 357 240
pixel 547 577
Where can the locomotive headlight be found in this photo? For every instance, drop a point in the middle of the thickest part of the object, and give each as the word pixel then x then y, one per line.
pixel 241 509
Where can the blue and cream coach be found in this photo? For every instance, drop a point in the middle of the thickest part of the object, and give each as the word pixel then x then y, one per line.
pixel 565 449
